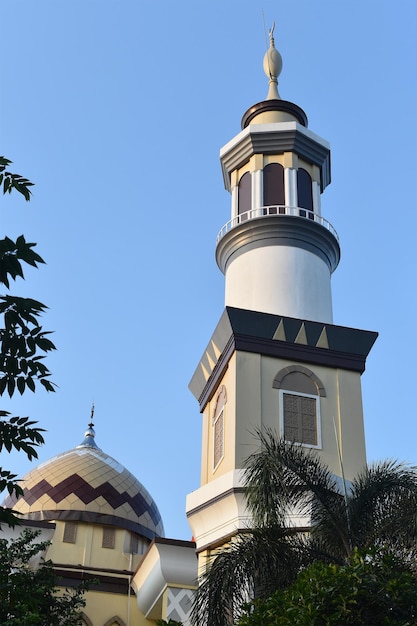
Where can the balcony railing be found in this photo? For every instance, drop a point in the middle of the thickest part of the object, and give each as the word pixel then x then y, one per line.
pixel 276 211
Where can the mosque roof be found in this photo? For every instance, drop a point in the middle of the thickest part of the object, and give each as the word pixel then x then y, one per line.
pixel 86 484
pixel 290 338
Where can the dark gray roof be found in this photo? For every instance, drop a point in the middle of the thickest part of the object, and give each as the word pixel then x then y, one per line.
pixel 284 337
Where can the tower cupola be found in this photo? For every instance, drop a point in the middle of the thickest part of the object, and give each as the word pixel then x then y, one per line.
pixel 277 251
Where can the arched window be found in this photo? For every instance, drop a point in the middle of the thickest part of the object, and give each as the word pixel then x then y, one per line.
pixel 245 194
pixel 305 191
pixel 115 621
pixel 299 405
pixel 218 427
pixel 274 192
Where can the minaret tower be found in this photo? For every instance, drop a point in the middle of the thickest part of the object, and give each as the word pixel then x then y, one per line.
pixel 277 168
pixel 275 359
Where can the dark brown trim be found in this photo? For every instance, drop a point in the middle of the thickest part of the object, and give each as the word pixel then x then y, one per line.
pixel 22 521
pixel 279 349
pixel 217 374
pixel 274 105
pixel 90 517
pixel 300 352
pixel 255 332
pixel 108 584
pixel 83 568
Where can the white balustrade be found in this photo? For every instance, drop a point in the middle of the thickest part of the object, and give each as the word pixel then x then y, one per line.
pixel 276 211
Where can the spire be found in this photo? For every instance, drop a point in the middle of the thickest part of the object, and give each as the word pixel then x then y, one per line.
pixel 88 441
pixel 272 66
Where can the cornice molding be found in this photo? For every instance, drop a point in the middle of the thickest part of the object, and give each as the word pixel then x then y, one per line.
pixel 284 230
pixel 276 138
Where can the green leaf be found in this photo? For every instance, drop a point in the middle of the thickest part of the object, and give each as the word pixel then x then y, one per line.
pixel 47 384
pixel 21 384
pixel 11 384
pixel 30 383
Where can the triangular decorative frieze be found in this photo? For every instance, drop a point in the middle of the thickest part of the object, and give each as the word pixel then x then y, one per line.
pixel 211 362
pixel 301 338
pixel 206 374
pixel 279 334
pixel 216 349
pixel 323 341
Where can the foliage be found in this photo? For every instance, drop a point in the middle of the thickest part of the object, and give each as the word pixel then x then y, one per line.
pixel 171 622
pixel 374 587
pixel 13 181
pixel 23 344
pixel 264 559
pixel 286 483
pixel 377 507
pixel 29 595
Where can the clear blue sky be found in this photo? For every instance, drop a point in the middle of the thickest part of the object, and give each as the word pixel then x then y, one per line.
pixel 117 111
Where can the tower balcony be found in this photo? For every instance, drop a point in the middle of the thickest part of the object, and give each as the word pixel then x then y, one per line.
pixel 276 211
pixel 279 259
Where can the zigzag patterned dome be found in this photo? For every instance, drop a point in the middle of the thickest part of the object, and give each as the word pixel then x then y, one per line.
pixel 86 484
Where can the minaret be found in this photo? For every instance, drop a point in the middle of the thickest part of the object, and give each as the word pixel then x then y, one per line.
pixel 275 359
pixel 277 252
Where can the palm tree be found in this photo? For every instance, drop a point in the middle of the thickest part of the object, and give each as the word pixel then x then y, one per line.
pixel 286 480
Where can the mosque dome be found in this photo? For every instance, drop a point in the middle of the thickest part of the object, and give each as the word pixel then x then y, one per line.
pixel 87 485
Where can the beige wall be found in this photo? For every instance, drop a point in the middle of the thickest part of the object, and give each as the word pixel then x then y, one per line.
pixel 88 551
pixel 252 402
pixel 101 607
pixel 287 159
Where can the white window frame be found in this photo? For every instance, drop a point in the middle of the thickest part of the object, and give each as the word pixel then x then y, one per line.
pixel 318 446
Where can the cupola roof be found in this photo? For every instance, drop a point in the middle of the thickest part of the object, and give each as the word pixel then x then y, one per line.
pixel 86 484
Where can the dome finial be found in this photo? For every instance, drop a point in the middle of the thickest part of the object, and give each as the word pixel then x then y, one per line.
pixel 88 441
pixel 272 66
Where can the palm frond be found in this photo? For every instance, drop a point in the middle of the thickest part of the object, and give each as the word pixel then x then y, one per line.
pixel 284 479
pixel 254 564
pixel 383 504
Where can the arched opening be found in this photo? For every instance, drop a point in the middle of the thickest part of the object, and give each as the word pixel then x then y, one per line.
pixel 245 194
pixel 299 378
pixel 299 405
pixel 274 191
pixel 305 191
pixel 115 621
